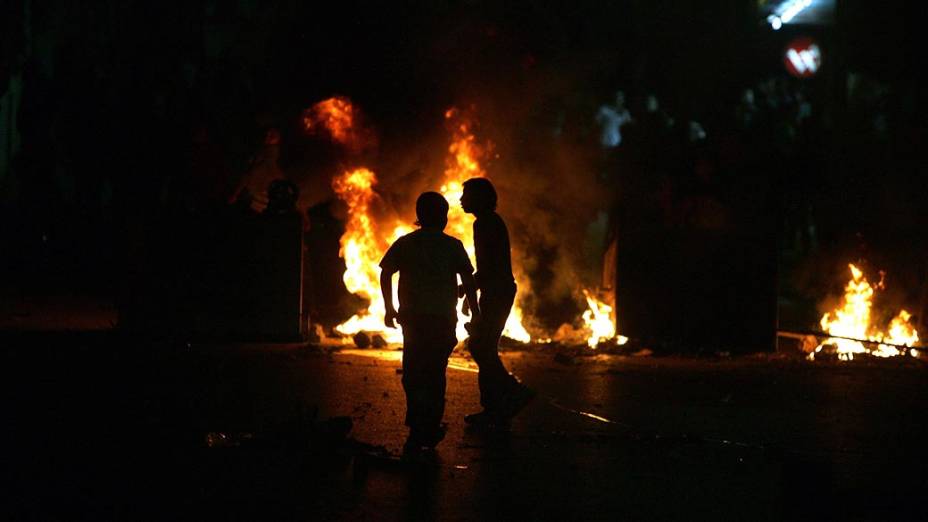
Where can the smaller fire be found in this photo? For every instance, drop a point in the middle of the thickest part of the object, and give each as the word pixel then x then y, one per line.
pixel 598 320
pixel 338 118
pixel 335 115
pixel 852 321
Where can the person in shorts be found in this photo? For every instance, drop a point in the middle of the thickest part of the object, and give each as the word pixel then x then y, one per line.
pixel 429 263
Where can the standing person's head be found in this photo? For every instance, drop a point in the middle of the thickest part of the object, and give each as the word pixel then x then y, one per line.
pixel 431 210
pixel 479 196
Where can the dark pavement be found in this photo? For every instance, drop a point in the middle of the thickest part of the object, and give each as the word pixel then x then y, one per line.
pixel 105 428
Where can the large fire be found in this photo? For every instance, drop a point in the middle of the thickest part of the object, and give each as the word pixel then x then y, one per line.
pixel 852 320
pixel 362 246
pixel 365 240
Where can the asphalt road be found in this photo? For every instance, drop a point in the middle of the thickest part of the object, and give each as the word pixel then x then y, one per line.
pixel 107 428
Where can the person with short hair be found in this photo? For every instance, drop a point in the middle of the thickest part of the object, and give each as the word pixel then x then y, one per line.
pixel 501 394
pixel 429 263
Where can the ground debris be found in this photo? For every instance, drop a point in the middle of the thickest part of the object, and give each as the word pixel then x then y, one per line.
pixel 301 432
pixel 362 340
pixel 218 439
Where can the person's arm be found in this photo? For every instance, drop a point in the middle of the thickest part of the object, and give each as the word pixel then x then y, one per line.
pixel 386 288
pixel 480 249
pixel 470 292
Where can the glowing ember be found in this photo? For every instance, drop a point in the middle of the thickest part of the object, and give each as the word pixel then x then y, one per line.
pixel 852 319
pixel 599 322
pixel 463 163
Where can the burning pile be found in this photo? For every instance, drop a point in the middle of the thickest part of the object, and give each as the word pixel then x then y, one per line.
pixel 852 320
pixel 362 246
pixel 366 239
pixel 599 321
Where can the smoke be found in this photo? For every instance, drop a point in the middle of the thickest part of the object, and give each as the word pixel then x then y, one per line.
pixel 551 200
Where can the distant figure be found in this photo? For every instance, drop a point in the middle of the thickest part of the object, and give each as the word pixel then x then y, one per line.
pixel 429 262
pixel 501 395
pixel 611 118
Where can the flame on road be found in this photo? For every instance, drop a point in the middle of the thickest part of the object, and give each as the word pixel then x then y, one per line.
pixel 362 246
pixel 852 319
pixel 599 321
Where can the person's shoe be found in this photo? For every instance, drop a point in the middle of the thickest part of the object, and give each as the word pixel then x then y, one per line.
pixel 487 420
pixel 437 435
pixel 481 418
pixel 515 401
pixel 417 454
pixel 428 438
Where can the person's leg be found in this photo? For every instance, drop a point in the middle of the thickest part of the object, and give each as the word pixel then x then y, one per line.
pixel 427 344
pixel 414 349
pixel 493 379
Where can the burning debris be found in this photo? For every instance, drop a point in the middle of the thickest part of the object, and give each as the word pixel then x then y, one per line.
pixel 852 322
pixel 600 322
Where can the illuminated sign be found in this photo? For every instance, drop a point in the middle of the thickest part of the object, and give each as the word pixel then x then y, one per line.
pixel 803 58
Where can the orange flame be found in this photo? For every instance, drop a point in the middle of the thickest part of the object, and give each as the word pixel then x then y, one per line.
pixel 852 319
pixel 335 116
pixel 599 321
pixel 364 241
pixel 461 164
pixel 362 246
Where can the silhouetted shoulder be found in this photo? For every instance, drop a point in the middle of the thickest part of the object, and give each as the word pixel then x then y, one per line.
pixel 492 225
pixel 453 240
pixel 461 261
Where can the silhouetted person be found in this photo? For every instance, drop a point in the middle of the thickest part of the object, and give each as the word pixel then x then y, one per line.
pixel 501 395
pixel 429 262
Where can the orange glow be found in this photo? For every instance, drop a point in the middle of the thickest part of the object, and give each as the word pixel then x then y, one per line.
pixel 598 320
pixel 853 319
pixel 335 116
pixel 365 239
pixel 362 248
pixel 461 164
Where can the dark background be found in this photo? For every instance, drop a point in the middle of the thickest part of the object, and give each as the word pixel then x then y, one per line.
pixel 110 95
